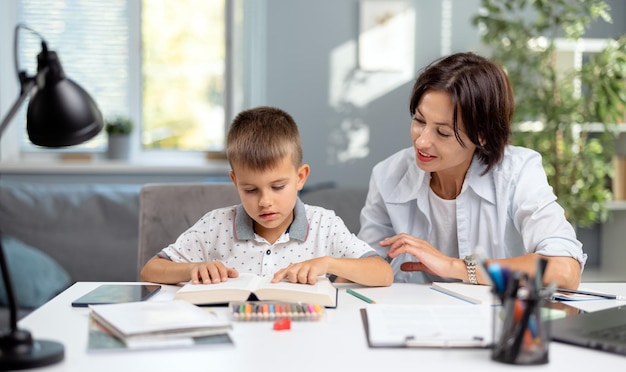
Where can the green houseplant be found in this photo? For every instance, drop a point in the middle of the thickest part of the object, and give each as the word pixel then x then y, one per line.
pixel 119 130
pixel 523 37
pixel 119 125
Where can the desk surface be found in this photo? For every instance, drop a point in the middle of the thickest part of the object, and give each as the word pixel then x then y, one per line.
pixel 335 343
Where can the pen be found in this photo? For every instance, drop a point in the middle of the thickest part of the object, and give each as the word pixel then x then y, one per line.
pixel 588 293
pixel 358 295
pixel 499 283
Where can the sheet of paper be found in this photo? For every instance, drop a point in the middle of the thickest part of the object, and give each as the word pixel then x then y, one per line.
pixel 435 326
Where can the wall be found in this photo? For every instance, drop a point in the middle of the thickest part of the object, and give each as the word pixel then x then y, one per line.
pixel 310 42
pixel 310 69
pixel 303 39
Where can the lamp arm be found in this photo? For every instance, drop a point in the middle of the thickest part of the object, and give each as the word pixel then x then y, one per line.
pixel 29 87
pixel 18 349
pixel 8 286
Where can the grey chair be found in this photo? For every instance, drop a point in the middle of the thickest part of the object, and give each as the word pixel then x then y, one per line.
pixel 346 202
pixel 166 210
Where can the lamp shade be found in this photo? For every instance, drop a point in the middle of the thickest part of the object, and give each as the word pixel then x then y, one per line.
pixel 61 113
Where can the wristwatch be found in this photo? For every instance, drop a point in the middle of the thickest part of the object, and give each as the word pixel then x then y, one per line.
pixel 470 264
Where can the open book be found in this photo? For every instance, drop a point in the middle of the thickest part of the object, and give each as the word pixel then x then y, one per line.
pixel 454 326
pixel 150 324
pixel 248 286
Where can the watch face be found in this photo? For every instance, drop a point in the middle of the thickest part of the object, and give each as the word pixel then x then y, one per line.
pixel 470 260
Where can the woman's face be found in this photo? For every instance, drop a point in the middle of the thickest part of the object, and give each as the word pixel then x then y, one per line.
pixel 432 131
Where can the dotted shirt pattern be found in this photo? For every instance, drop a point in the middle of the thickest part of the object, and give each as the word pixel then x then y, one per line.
pixel 226 235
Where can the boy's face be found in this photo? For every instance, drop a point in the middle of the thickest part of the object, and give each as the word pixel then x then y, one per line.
pixel 269 196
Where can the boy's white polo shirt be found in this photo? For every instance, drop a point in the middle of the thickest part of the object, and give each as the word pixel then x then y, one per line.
pixel 227 235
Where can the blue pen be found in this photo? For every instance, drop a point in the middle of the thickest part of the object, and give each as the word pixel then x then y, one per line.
pixel 512 281
pixel 506 276
pixel 532 325
pixel 495 271
pixel 536 291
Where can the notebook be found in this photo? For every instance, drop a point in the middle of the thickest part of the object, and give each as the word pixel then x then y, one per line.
pixel 602 330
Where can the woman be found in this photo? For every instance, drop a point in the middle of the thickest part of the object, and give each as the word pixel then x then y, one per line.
pixel 462 193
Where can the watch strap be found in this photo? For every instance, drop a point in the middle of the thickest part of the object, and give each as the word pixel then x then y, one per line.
pixel 470 265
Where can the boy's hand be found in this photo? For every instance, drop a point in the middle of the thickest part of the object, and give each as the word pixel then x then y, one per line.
pixel 303 272
pixel 211 272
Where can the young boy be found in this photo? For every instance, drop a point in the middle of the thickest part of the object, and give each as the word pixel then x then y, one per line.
pixel 271 232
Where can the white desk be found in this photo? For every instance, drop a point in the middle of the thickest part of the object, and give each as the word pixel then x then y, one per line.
pixel 336 343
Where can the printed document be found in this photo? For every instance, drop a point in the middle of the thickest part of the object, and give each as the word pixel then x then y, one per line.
pixel 429 325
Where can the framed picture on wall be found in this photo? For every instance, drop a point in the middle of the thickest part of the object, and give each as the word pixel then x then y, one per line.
pixel 386 35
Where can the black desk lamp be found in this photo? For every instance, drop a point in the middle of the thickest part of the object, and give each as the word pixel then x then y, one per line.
pixel 60 113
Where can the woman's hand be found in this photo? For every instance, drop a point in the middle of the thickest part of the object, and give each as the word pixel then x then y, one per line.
pixel 431 260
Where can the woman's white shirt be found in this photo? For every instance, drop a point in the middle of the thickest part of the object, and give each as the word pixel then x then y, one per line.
pixel 507 212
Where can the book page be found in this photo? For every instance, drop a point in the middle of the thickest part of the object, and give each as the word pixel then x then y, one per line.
pixel 429 325
pixel 234 289
pixel 238 289
pixel 248 282
pixel 322 292
pixel 320 286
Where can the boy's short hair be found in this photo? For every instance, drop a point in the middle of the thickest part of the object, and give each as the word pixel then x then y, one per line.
pixel 259 138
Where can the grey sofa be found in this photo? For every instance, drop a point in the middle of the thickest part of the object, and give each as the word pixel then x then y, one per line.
pixel 92 231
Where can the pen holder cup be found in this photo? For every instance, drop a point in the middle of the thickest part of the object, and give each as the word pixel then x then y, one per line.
pixel 521 332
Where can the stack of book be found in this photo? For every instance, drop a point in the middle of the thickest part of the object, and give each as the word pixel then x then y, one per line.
pixel 147 324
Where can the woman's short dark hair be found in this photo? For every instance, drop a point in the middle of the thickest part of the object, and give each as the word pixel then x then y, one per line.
pixel 482 94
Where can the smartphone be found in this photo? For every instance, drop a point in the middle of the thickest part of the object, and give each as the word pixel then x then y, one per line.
pixel 117 293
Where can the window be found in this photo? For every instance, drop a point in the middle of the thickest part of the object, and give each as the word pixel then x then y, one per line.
pixel 93 50
pixel 183 74
pixel 159 62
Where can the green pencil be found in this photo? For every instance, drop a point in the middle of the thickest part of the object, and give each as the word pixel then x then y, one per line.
pixel 358 295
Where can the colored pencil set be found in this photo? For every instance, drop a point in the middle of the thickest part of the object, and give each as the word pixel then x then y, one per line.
pixel 272 310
